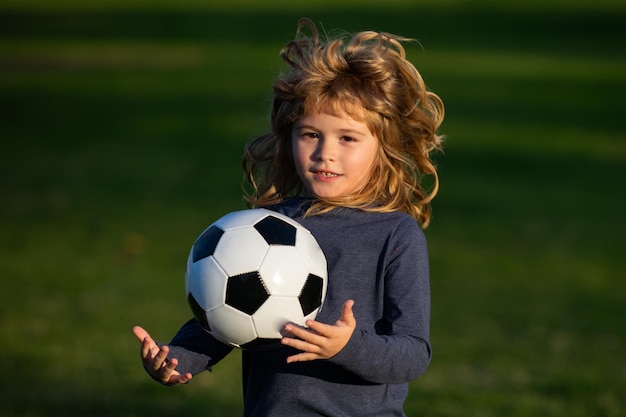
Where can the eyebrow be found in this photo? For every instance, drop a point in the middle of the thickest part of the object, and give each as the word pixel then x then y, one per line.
pixel 343 131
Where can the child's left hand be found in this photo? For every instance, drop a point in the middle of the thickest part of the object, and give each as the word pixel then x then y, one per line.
pixel 321 341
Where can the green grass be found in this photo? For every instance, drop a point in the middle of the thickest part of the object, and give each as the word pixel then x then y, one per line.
pixel 121 132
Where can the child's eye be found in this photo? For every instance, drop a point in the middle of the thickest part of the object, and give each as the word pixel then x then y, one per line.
pixel 347 139
pixel 309 135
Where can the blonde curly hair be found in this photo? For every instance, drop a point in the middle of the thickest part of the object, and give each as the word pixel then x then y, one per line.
pixel 369 78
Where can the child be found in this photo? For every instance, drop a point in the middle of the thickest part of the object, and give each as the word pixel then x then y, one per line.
pixel 352 130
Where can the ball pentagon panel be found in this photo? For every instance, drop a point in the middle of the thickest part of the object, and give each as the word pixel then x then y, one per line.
pixel 246 292
pixel 206 243
pixel 198 312
pixel 276 231
pixel 311 296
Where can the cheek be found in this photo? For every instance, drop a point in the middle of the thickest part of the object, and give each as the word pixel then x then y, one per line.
pixel 369 166
pixel 369 159
pixel 298 157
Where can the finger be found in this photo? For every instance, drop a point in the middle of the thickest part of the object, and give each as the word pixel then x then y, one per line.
pixel 171 376
pixel 347 318
pixel 181 379
pixel 301 345
pixel 302 357
pixel 318 328
pixel 161 358
pixel 149 349
pixel 140 333
pixel 304 333
pixel 146 349
pixel 168 371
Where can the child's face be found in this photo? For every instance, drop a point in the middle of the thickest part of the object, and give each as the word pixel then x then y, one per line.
pixel 333 153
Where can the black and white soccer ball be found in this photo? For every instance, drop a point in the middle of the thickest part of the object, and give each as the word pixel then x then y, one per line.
pixel 250 273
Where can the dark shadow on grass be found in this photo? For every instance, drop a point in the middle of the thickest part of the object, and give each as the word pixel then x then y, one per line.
pixel 558 31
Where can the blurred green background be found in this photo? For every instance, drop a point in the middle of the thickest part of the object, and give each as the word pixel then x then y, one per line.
pixel 121 130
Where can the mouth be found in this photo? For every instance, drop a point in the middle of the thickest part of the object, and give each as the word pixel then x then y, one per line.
pixel 325 174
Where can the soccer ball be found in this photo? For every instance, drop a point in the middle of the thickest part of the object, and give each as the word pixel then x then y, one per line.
pixel 250 273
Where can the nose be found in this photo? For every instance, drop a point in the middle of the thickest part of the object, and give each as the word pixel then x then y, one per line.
pixel 325 151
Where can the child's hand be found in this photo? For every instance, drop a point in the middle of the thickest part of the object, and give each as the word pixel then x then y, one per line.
pixel 155 360
pixel 321 341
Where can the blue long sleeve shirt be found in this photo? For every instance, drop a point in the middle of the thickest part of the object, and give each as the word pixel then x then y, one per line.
pixel 380 261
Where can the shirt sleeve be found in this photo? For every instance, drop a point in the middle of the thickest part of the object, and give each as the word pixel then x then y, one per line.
pixel 401 351
pixel 195 349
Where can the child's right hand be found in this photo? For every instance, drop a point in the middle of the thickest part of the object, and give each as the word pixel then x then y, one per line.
pixel 155 360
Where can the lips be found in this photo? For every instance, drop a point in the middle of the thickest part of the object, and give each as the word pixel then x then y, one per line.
pixel 325 174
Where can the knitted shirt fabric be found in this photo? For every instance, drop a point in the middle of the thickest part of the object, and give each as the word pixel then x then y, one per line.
pixel 380 261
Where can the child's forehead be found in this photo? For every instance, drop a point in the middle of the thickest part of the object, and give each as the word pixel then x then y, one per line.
pixel 339 108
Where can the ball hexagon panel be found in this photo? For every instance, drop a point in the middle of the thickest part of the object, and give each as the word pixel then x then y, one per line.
pixel 312 254
pixel 240 327
pixel 240 251
pixel 276 231
pixel 242 218
pixel 207 282
pixel 246 292
pixel 271 318
pixel 283 271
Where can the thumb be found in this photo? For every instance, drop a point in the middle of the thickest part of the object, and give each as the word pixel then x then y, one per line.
pixel 347 315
